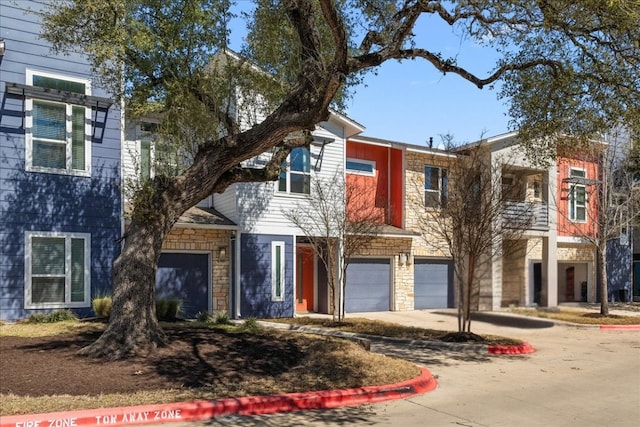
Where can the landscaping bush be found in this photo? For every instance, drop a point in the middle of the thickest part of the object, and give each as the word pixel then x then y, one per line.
pixel 53 317
pixel 101 306
pixel 167 309
pixel 222 318
pixel 203 316
pixel 251 325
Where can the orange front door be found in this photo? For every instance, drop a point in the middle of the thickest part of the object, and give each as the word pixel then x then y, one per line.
pixel 304 279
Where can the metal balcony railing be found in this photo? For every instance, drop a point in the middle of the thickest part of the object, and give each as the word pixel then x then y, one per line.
pixel 527 215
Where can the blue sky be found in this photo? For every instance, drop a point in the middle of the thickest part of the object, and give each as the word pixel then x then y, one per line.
pixel 411 101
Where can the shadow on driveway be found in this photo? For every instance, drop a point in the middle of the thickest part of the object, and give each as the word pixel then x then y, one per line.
pixel 505 320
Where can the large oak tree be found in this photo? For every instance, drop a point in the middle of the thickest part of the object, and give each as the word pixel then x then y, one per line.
pixel 566 66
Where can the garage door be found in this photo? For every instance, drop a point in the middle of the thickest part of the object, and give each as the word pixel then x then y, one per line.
pixel 433 284
pixel 184 276
pixel 367 287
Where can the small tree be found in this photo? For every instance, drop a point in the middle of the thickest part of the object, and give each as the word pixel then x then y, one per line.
pixel 471 220
pixel 338 223
pixel 611 201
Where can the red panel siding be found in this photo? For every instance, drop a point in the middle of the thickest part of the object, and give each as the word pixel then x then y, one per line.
pixel 371 190
pixel 397 185
pixel 567 227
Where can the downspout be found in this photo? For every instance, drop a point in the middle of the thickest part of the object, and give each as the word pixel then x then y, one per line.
pixel 388 214
pixel 236 272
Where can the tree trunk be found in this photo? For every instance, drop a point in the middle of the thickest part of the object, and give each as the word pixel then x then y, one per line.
pixel 602 273
pixel 469 293
pixel 459 297
pixel 133 326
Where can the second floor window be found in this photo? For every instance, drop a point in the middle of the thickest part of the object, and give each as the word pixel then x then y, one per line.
pixel 435 187
pixel 297 177
pixel 577 196
pixel 57 140
pixel 361 167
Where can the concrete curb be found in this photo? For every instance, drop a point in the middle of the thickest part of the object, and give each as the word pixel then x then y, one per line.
pixel 620 327
pixel 524 348
pixel 206 410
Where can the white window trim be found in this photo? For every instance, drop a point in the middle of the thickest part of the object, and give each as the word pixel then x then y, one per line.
pixel 275 247
pixel 371 163
pixel 29 126
pixel 438 191
pixel 287 191
pixel 572 186
pixel 87 269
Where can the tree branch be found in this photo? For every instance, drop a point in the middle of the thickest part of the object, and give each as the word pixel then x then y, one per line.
pixel 271 171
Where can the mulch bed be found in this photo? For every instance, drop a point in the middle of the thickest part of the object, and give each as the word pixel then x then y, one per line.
pixel 193 358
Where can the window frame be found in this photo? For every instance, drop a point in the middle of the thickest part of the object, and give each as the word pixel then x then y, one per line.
pixel 287 172
pixel 28 276
pixel 278 271
pixel 29 122
pixel 371 163
pixel 442 190
pixel 572 200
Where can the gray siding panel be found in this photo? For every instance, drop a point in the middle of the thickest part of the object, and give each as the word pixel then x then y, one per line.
pixel 433 284
pixel 368 285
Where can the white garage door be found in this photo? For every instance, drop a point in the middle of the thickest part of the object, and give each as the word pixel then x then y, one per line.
pixel 432 284
pixel 368 285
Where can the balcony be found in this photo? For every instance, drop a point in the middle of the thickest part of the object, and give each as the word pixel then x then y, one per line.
pixel 526 215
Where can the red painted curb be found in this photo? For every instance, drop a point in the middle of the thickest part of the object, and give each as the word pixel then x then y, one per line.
pixel 207 409
pixel 620 327
pixel 524 348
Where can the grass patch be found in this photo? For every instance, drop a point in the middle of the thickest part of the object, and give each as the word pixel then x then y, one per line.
pixel 36 330
pixel 386 329
pixel 236 363
pixel 577 315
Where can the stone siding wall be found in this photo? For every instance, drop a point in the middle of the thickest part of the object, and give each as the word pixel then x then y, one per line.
pixel 575 252
pixel 514 269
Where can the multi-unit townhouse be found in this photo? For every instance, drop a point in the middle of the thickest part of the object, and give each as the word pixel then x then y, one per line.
pixel 61 210
pixel 255 262
pixel 236 251
pixel 402 269
pixel 551 262
pixel 60 180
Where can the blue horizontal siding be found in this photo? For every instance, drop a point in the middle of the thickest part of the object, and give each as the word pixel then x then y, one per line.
pixel 255 277
pixel 49 202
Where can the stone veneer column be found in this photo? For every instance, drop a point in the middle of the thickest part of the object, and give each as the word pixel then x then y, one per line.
pixel 496 273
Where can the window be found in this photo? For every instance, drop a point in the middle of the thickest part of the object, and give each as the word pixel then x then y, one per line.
pixel 57 140
pixel 277 271
pixel 362 167
pixel 297 177
pixel 435 187
pixel 577 196
pixel 147 131
pixel 57 270
pixel 537 189
pixel 157 156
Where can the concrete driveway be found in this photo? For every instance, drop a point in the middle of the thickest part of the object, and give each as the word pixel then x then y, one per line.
pixel 579 376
